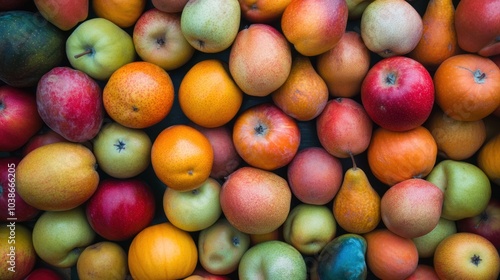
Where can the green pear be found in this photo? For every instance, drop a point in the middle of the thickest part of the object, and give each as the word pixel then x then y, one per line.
pixel 59 237
pixel 427 243
pixel 211 26
pixel 467 189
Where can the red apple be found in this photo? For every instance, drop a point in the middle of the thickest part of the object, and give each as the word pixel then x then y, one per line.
pixel 12 205
pixel 43 273
pixel 266 137
pixel 43 138
pixel 70 103
pixel 486 224
pixel 169 6
pixel 65 14
pixel 344 128
pixel 120 208
pixel 226 159
pixel 398 93
pixel 477 23
pixel 314 175
pixel 17 254
pixel 19 119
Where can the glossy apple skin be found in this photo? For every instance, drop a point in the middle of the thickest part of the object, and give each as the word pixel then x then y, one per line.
pixel 398 93
pixel 158 39
pixel 477 23
pixel 43 138
pixel 70 103
pixel 265 137
pixel 22 210
pixel 19 119
pixel 65 14
pixel 486 224
pixel 43 273
pixel 120 208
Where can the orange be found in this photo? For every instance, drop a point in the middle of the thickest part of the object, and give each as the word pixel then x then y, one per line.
pixel 488 159
pixel 162 251
pixel 123 13
pixel 208 96
pixel 182 157
pixel 390 256
pixel 138 94
pixel 467 87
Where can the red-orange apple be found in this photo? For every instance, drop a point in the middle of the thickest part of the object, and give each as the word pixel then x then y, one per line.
pixel 344 127
pixel 265 137
pixel 263 11
pixel 46 136
pixel 314 175
pixel 398 93
pixel 477 23
pixel 17 255
pixel 65 14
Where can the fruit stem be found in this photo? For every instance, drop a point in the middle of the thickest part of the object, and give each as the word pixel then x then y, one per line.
pixel 479 76
pixel 87 51
pixel 354 166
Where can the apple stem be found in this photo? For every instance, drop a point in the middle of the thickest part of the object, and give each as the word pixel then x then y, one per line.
pixel 479 77
pixel 354 166
pixel 87 51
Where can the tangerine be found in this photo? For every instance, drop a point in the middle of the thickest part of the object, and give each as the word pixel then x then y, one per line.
pixel 208 95
pixel 182 157
pixel 138 94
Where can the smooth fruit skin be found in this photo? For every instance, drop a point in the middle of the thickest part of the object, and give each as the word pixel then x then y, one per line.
pixel 17 254
pixel 58 176
pixel 263 11
pixel 120 208
pixel 427 243
pixel 23 61
pixel 466 256
pixel 260 59
pixel 123 13
pixel 343 258
pixel 19 118
pixel 162 251
pixel 43 273
pixel 314 27
pixel 423 272
pixel 64 14
pixel 477 24
pixel 265 137
pixel 488 159
pixel 43 137
pixel 344 127
pixel 102 260
pixel 411 208
pixel 169 6
pixel 398 93
pixel 486 224
pixel 70 103
pixel 273 260
pixel 255 201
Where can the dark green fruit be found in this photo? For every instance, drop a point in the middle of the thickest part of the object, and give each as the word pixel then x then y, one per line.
pixel 343 258
pixel 30 47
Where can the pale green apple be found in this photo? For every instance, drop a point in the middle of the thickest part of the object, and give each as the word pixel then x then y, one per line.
pixel 60 236
pixel 211 26
pixel 272 259
pixel 309 228
pixel 221 246
pixel 467 189
pixel 98 47
pixel 196 209
pixel 122 152
pixel 356 8
pixel 427 243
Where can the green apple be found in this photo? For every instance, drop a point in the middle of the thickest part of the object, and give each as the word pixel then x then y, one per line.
pixel 196 209
pixel 98 47
pixel 122 152
pixel 427 243
pixel 309 228
pixel 211 26
pixel 467 189
pixel 356 8
pixel 60 236
pixel 272 260
pixel 221 246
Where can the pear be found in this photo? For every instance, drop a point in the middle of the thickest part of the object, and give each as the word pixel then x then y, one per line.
pixel 356 206
pixel 210 26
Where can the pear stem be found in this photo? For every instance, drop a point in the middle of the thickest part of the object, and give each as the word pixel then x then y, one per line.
pixel 87 51
pixel 354 166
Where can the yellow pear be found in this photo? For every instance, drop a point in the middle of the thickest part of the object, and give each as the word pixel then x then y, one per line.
pixel 356 206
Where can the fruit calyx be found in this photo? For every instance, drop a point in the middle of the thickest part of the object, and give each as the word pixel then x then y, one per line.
pixel 120 146
pixel 87 51
pixel 475 260
pixel 482 218
pixel 260 129
pixel 391 78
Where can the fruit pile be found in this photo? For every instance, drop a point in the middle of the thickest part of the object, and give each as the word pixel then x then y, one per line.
pixel 270 139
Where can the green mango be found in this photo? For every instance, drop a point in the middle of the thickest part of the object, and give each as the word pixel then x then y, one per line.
pixel 29 48
pixel 343 258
